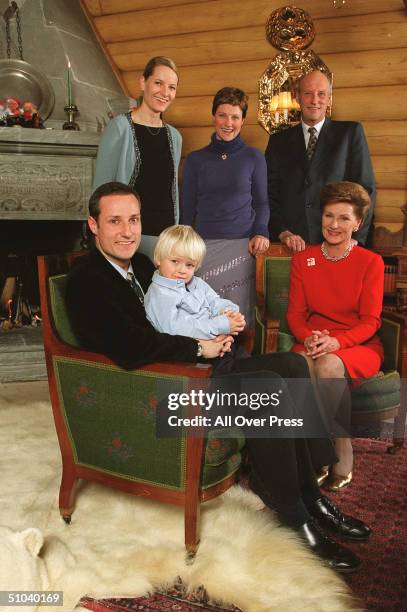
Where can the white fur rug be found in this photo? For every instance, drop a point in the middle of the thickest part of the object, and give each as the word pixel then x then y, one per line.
pixel 126 546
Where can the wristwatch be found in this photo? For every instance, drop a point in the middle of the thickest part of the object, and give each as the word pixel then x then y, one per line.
pixel 199 350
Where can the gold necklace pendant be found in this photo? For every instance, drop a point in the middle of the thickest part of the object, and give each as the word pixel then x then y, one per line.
pixel 224 156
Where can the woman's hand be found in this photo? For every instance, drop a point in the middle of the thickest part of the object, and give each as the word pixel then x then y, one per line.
pixel 258 244
pixel 320 343
pixel 309 344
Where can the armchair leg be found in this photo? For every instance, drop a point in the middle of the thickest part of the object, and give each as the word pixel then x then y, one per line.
pixel 398 443
pixel 192 549
pixel 192 513
pixel 192 497
pixel 66 515
pixel 67 493
pixel 399 429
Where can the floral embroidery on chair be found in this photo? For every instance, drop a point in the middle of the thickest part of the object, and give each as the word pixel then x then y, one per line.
pixel 116 449
pixel 219 449
pixel 148 406
pixel 84 395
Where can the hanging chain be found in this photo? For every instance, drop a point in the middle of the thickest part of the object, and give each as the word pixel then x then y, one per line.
pixel 8 38
pixel 9 13
pixel 19 36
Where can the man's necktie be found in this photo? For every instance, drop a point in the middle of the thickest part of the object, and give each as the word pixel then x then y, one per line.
pixel 311 143
pixel 131 279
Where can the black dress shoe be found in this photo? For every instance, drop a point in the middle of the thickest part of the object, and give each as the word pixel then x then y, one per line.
pixel 337 557
pixel 330 517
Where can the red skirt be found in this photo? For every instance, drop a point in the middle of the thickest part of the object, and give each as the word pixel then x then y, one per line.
pixel 361 361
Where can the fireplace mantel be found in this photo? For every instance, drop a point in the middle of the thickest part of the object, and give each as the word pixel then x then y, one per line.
pixel 46 174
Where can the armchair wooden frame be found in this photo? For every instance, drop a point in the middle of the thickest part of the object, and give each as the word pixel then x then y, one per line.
pixel 192 494
pixel 271 326
pixel 271 336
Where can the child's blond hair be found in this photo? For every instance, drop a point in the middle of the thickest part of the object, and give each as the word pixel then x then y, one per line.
pixel 181 240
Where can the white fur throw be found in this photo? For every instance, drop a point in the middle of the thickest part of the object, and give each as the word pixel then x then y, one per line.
pixel 118 544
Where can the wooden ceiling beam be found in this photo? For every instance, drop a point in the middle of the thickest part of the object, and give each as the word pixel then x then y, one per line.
pixel 111 7
pixel 350 104
pixel 217 15
pixel 240 43
pixel 357 69
pixel 93 8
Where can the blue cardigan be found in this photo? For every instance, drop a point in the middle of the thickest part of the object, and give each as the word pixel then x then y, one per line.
pixel 224 191
pixel 116 157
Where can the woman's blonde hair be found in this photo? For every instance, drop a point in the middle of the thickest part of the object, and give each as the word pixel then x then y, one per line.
pixel 159 60
pixel 181 240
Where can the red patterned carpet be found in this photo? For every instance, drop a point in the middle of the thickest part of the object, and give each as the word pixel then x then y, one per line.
pixel 378 495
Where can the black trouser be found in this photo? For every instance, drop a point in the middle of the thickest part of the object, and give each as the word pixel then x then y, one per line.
pixel 284 468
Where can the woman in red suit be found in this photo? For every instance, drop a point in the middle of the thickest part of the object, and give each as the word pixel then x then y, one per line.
pixel 335 302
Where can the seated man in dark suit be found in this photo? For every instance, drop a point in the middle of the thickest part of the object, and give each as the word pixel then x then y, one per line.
pixel 105 299
pixel 300 162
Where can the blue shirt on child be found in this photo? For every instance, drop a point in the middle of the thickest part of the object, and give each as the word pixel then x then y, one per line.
pixel 186 310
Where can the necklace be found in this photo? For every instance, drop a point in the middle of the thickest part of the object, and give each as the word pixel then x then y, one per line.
pixel 150 131
pixel 325 253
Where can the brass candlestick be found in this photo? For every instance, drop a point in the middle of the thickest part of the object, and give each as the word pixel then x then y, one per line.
pixel 71 110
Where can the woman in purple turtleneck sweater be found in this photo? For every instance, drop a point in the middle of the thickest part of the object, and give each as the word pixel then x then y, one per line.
pixel 224 197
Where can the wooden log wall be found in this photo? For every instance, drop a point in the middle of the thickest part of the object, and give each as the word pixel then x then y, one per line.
pixel 222 42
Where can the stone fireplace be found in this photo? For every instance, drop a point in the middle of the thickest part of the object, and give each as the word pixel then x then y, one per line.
pixel 45 184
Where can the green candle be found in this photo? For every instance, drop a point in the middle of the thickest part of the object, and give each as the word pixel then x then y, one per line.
pixel 69 85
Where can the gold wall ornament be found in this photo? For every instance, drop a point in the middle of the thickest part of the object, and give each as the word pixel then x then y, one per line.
pixel 290 30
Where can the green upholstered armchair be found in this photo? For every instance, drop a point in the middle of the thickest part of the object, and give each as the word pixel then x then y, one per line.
pixel 377 398
pixel 105 419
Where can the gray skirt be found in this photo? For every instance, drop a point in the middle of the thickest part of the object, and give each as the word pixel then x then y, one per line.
pixel 230 270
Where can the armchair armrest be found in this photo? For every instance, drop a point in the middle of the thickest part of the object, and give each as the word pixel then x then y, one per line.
pixel 271 325
pixel 394 338
pixel 271 331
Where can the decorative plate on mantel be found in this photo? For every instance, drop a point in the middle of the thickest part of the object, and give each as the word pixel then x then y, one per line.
pixel 19 79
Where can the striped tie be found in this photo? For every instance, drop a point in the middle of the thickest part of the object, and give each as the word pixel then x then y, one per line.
pixel 311 143
pixel 131 279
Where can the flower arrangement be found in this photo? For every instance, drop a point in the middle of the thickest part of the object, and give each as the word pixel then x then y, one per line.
pixel 14 114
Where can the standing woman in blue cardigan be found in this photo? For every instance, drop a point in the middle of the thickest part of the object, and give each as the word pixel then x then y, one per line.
pixel 224 196
pixel 141 150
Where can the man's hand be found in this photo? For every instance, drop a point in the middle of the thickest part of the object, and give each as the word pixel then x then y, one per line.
pixel 258 244
pixel 294 242
pixel 226 342
pixel 236 321
pixel 216 347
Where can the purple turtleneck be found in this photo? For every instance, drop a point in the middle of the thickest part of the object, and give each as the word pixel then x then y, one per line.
pixel 226 198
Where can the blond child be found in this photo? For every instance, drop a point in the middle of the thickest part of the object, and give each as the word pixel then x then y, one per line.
pixel 179 303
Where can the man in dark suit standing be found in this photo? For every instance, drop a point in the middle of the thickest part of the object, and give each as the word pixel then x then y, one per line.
pixel 304 158
pixel 104 296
